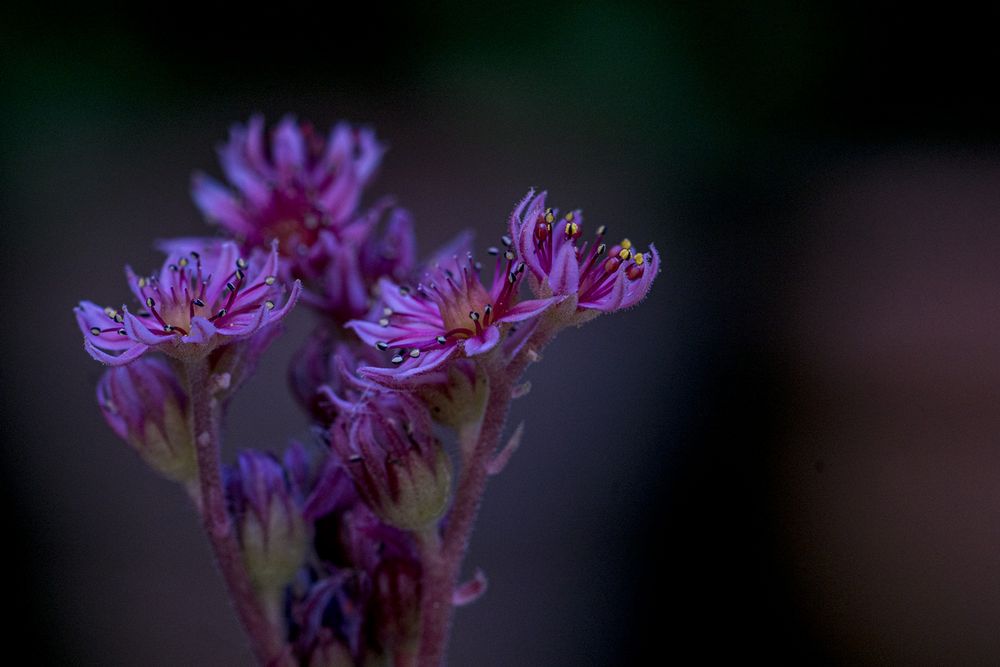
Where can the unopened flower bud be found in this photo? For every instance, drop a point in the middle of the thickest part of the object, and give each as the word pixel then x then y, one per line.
pixel 388 447
pixel 144 404
pixel 272 532
pixel 458 401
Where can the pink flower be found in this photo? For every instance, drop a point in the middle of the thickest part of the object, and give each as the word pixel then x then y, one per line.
pixel 452 313
pixel 291 187
pixel 601 278
pixel 198 302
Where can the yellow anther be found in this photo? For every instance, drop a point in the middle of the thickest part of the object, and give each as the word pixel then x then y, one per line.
pixel 625 253
pixel 626 244
pixel 572 229
pixel 549 217
pixel 569 216
pixel 640 258
pixel 142 283
pixel 182 261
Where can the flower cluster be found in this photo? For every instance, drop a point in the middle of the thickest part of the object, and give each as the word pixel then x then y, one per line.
pixel 346 550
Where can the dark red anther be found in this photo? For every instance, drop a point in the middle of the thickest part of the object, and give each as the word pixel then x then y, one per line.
pixel 542 230
pixel 612 264
pixel 634 272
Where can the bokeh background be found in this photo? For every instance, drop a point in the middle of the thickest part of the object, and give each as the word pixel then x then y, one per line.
pixel 789 451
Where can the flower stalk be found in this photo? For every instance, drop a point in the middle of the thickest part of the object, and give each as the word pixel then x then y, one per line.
pixel 442 557
pixel 265 642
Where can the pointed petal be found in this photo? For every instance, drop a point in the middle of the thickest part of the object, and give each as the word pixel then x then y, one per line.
pixel 482 343
pixel 288 146
pixel 129 355
pixel 640 288
pixel 218 204
pixel 527 309
pixel 89 315
pixel 411 370
pixel 201 331
pixel 138 331
pixel 564 277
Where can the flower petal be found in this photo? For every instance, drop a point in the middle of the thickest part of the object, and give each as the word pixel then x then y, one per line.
pixel 527 309
pixel 564 277
pixel 288 146
pixel 129 355
pixel 640 288
pixel 218 204
pixel 411 370
pixel 484 342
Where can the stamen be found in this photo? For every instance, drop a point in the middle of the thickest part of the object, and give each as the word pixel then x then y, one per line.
pixel 95 330
pixel 241 263
pixel 474 316
pixel 149 302
pixel 509 256
pixel 269 305
pixel 441 339
pixel 549 216
pixel 397 359
pixel 493 250
pixel 414 353
pixel 269 280
pixel 384 322
pixel 382 345
pixel 506 240
pixel 602 230
pixel 183 261
pixel 198 302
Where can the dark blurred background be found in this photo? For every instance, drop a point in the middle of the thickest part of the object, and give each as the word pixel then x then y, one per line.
pixel 789 451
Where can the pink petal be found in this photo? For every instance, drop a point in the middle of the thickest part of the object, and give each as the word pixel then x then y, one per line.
pixel 484 342
pixel 527 309
pixel 129 355
pixel 564 277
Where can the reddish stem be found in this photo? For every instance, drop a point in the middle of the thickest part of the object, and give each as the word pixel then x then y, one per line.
pixel 264 638
pixel 442 558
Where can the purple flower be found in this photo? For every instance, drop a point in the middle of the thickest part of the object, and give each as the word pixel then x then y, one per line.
pixel 342 266
pixel 385 441
pixel 331 616
pixel 198 302
pixel 291 187
pixel 316 365
pixel 273 534
pixel 452 313
pixel 145 406
pixel 601 278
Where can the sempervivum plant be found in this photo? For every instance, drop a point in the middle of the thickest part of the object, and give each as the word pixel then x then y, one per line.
pixel 345 550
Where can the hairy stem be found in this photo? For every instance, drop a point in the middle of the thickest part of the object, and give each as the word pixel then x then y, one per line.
pixel 264 639
pixel 442 558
